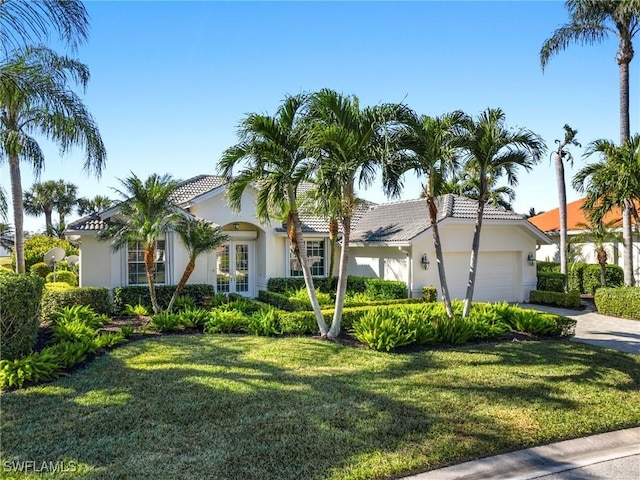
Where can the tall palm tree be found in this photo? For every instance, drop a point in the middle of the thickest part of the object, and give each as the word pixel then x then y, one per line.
pixel 591 22
pixel 36 98
pixel 467 184
pixel 274 160
pixel 198 237
pixel 493 150
pixel 563 155
pixel 613 182
pixel 349 143
pixel 598 233
pixel 146 213
pixel 426 145
pixel 65 200
pixel 26 22
pixel 40 199
pixel 93 206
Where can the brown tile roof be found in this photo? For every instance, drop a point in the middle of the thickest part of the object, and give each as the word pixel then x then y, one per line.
pixel 550 221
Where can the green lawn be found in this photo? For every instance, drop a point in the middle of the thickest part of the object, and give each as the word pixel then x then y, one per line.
pixel 242 407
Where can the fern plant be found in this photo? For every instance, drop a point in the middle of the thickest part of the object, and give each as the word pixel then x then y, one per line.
pixel 264 323
pixel 138 310
pixel 166 322
pixel 226 321
pixel 382 329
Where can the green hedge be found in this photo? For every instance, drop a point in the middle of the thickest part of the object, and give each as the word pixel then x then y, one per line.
pixel 385 288
pixel 140 294
pixel 55 299
pixel 547 267
pixel 551 282
pixel 374 286
pixel 619 302
pixel 40 269
pixel 613 276
pixel 559 299
pixel 20 297
pixel 282 302
pixel 583 277
pixel 63 276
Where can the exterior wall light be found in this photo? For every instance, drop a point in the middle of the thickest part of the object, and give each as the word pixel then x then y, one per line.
pixel 424 261
pixel 236 226
pixel 531 258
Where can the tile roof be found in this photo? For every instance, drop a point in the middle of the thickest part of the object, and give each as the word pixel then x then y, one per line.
pixel 91 223
pixel 549 222
pixel 196 186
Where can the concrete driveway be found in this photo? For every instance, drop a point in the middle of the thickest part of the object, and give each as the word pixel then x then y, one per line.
pixel 601 330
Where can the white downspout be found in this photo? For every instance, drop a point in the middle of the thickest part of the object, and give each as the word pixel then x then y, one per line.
pixel 409 280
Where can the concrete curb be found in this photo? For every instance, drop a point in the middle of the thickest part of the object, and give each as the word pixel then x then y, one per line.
pixel 544 460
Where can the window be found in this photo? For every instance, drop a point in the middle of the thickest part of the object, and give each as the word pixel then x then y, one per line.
pixel 316 256
pixel 136 271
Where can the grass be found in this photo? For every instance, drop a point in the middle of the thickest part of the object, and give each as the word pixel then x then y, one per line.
pixel 230 407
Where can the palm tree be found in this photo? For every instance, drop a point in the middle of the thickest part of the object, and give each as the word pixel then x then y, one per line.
pixel 93 206
pixel 39 199
pixel 24 22
pixel 563 155
pixel 35 98
pixel 198 236
pixel 274 161
pixel 65 200
pixel 599 234
pixel 492 150
pixel 613 182
pixel 467 184
pixel 426 145
pixel 592 21
pixel 4 206
pixel 146 213
pixel 349 143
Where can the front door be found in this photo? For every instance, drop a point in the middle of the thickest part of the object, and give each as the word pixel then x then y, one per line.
pixel 233 273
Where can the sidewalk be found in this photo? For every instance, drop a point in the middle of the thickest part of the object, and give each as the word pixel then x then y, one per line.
pixel 613 455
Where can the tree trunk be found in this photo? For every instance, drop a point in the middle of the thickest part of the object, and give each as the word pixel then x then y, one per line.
pixel 301 254
pixel 475 247
pixel 333 239
pixel 48 221
pixel 343 274
pixel 18 211
pixel 625 130
pixel 150 266
pixel 188 270
pixel 562 210
pixel 433 216
pixel 627 241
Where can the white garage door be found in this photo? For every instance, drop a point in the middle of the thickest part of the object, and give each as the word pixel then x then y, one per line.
pixel 498 277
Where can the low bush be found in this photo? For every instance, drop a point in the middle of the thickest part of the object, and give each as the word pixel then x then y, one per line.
pixel 282 301
pixel 194 317
pixel 564 300
pixel 383 329
pixel 430 294
pixel 140 294
pixel 55 299
pixel 551 282
pixel 137 310
pixel 547 267
pixel 183 302
pixel 166 322
pixel 328 284
pixel 20 297
pixel 32 368
pixel 537 323
pixel 63 276
pixel 618 302
pixel 302 297
pixel 264 323
pixel 37 245
pixel 226 321
pixel 40 269
pixel 385 289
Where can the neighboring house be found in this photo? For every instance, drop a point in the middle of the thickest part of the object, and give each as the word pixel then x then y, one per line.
pixel 549 223
pixel 389 241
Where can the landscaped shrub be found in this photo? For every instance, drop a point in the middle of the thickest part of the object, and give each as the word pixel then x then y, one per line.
pixel 264 323
pixel 282 301
pixel 430 294
pixel 614 277
pixel 84 313
pixel 226 321
pixel 383 329
pixel 73 331
pixel 137 310
pixel 576 271
pixel 537 323
pixel 184 302
pixel 302 296
pixel 166 322
pixel 194 317
pixel 558 299
pixel 329 284
pixel 34 367
pixel 20 297
pixel 551 282
pixel 133 295
pixel 385 289
pixel 54 299
pixel 619 302
pixel 547 267
pixel 63 276
pixel 35 247
pixel 40 269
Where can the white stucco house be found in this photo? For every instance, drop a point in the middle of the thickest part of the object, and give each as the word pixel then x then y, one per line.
pixel 389 241
pixel 549 223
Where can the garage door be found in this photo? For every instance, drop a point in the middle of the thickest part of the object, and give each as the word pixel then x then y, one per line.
pixel 498 278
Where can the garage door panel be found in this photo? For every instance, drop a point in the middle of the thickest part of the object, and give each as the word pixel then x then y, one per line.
pixel 497 277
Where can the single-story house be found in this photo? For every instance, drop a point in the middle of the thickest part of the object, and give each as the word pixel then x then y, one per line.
pixel 549 223
pixel 388 241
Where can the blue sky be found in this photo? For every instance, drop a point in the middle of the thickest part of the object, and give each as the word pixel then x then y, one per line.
pixel 171 80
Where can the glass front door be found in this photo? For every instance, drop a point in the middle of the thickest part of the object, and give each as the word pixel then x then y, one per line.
pixel 233 274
